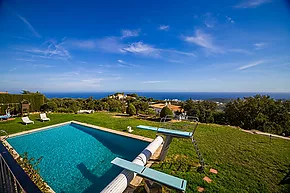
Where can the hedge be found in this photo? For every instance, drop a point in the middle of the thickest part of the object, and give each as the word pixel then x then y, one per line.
pixel 35 100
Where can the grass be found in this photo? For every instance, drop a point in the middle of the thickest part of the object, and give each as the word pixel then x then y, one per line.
pixel 245 162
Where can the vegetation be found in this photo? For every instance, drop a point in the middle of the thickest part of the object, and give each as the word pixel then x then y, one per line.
pixel 204 110
pixel 13 101
pixel 245 162
pixel 131 110
pixel 259 112
pixel 165 112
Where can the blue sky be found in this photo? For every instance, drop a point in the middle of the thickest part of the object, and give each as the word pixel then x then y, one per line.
pixel 87 46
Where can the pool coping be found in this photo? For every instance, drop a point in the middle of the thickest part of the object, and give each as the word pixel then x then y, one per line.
pixel 133 184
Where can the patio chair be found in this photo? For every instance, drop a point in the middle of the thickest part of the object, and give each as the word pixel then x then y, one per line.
pixel 43 117
pixel 26 120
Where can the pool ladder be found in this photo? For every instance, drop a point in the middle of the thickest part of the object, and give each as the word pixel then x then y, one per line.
pixel 5 136
pixel 199 155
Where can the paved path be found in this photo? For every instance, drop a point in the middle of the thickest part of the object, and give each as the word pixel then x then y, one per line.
pixel 266 134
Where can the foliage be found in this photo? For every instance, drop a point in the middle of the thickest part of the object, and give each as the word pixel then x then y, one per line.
pixel 240 158
pixel 36 100
pixel 131 110
pixel 133 95
pixel 202 109
pixel 141 106
pixel 30 166
pixel 115 105
pixel 165 112
pixel 261 113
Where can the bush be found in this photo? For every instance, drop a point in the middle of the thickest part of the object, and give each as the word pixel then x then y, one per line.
pixel 131 110
pixel 36 100
pixel 165 112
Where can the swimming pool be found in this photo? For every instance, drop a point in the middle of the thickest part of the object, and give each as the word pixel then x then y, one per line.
pixel 76 158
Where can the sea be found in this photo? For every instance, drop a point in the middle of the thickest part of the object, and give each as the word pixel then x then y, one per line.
pixel 171 95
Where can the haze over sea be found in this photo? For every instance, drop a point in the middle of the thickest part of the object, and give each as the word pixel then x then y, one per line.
pixel 171 95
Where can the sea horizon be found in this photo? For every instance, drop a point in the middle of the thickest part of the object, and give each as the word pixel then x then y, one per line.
pixel 180 95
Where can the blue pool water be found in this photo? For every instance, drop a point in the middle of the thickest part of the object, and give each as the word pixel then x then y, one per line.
pixel 77 158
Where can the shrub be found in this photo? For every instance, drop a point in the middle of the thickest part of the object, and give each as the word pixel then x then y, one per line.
pixel 36 100
pixel 131 110
pixel 165 112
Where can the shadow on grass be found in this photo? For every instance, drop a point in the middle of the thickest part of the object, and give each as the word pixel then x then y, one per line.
pixel 286 179
pixel 286 182
pixel 122 115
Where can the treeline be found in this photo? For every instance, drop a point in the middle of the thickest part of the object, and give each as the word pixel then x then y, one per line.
pixel 259 112
pixel 68 105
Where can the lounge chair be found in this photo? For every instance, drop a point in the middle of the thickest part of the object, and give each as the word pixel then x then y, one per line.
pixel 26 120
pixel 43 117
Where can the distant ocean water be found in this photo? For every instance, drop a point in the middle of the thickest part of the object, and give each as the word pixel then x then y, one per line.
pixel 171 95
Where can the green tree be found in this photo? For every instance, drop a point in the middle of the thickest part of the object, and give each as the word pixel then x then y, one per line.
pixel 259 112
pixel 131 110
pixel 165 112
pixel 141 106
pixel 115 105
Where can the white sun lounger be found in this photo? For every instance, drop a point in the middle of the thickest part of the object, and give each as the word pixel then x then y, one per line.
pixel 162 178
pixel 43 117
pixel 26 120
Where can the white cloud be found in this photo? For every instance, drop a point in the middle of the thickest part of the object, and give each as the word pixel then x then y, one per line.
pixel 122 62
pixel 30 27
pixel 141 48
pixel 53 50
pixel 259 46
pixel 251 65
pixel 13 69
pixel 164 27
pixel 154 81
pixel 116 45
pixel 251 3
pixel 229 19
pixel 178 52
pixel 125 64
pixel 203 40
pixel 129 33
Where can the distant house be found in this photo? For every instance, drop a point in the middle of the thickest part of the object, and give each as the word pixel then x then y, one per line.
pixel 119 96
pixel 159 106
pixel 6 92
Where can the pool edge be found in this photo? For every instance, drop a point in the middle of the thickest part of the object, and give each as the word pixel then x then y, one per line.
pixel 133 184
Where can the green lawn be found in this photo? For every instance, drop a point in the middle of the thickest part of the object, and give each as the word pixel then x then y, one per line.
pixel 245 162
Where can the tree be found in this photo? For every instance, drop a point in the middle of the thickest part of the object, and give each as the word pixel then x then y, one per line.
pixel 115 105
pixel 141 106
pixel 165 112
pixel 131 110
pixel 259 112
